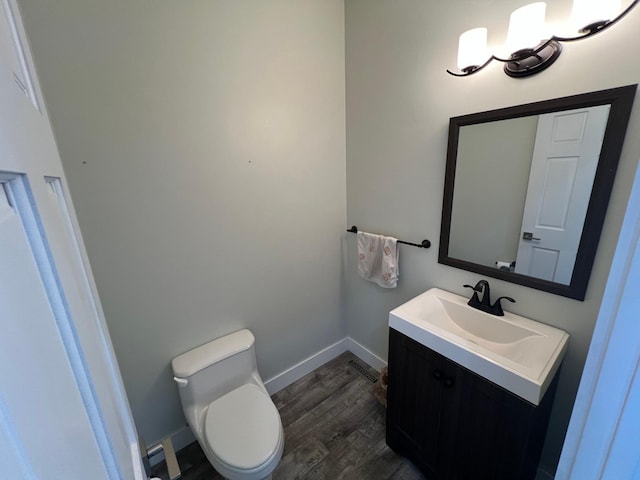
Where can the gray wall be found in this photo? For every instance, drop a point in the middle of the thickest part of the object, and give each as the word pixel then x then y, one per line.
pixel 493 164
pixel 399 101
pixel 204 145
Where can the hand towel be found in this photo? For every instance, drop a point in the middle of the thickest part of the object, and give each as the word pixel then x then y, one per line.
pixel 378 259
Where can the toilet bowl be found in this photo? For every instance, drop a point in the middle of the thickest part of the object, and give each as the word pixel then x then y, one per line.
pixel 228 407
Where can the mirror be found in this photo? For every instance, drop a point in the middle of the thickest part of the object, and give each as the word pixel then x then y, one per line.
pixel 527 188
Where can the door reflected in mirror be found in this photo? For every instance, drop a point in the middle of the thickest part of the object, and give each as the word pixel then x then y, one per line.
pixel 527 187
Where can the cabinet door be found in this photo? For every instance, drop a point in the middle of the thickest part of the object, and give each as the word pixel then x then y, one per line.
pixel 456 425
pixel 488 429
pixel 415 402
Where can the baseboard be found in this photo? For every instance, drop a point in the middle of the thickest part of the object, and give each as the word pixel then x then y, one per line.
pixel 308 365
pixel 365 354
pixel 180 438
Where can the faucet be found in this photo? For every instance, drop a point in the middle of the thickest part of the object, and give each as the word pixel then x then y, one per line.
pixel 485 304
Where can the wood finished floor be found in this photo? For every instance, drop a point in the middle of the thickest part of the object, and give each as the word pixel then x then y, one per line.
pixel 333 428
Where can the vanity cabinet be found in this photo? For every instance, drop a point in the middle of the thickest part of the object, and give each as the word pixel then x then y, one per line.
pixel 454 424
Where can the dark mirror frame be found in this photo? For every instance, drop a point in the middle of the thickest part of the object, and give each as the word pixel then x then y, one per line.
pixel 621 101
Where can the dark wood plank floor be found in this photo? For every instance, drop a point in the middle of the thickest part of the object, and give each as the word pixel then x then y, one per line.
pixel 333 428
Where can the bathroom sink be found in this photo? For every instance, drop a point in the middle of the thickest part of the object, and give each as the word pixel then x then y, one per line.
pixel 517 353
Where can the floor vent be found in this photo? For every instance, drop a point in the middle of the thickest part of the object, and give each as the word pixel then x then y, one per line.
pixel 362 370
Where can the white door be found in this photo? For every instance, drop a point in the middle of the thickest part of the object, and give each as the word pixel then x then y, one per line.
pixel 563 167
pixel 602 438
pixel 63 412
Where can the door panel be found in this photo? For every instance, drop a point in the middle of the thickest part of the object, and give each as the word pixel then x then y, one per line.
pixel 544 262
pixel 40 377
pixel 95 342
pixel 15 55
pixel 557 192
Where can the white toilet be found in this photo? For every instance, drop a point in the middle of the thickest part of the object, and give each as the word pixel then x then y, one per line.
pixel 228 408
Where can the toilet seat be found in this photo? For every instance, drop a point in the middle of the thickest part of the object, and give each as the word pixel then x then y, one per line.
pixel 243 429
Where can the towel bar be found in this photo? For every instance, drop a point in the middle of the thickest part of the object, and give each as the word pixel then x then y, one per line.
pixel 425 243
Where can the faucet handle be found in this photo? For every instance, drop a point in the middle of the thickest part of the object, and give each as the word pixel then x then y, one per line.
pixel 506 298
pixel 474 301
pixel 497 306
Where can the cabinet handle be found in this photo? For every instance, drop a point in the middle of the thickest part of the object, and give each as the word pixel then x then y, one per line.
pixel 448 382
pixel 437 374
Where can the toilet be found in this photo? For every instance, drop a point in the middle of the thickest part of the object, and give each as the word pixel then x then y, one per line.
pixel 228 408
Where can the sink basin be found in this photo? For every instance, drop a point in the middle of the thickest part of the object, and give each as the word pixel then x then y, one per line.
pixel 517 353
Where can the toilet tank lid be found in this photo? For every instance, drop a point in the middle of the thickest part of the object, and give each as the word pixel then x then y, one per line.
pixel 201 357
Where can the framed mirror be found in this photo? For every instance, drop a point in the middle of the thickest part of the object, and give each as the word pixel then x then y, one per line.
pixel 527 187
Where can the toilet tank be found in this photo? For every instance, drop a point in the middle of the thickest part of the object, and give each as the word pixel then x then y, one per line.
pixel 215 368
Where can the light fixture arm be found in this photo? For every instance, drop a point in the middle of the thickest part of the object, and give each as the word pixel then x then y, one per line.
pixel 598 27
pixel 471 70
pixel 552 45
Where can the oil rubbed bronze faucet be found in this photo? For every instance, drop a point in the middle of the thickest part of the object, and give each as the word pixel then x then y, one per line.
pixel 485 304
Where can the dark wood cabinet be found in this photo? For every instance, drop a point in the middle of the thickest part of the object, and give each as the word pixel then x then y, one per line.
pixel 454 424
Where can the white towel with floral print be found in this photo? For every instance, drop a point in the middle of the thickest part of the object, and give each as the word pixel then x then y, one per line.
pixel 378 259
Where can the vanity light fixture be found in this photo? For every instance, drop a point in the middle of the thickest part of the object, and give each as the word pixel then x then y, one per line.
pixel 534 49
